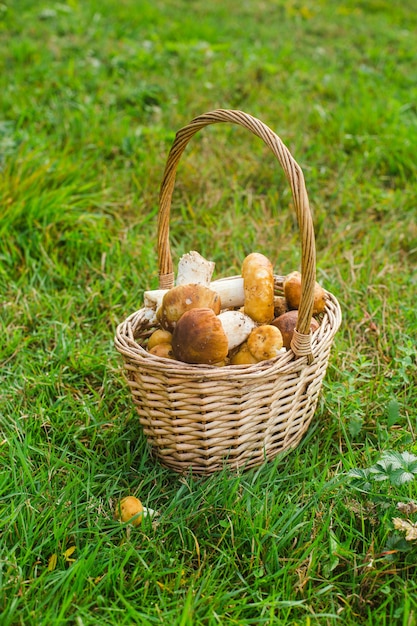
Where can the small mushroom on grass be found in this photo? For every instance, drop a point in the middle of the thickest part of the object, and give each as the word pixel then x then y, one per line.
pixel 130 509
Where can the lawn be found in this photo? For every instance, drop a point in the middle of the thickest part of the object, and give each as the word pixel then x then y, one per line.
pixel 92 94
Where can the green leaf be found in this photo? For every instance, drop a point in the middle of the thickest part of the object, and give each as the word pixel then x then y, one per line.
pixel 357 472
pixel 355 425
pixel 405 459
pixel 382 469
pixel 360 479
pixel 400 477
pixel 393 413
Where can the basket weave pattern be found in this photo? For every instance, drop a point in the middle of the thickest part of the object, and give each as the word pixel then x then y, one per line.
pixel 202 417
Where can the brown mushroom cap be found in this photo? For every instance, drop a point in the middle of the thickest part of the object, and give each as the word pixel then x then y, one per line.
pixel 163 350
pixel 183 298
pixel 265 342
pixel 243 356
pixel 292 293
pixel 280 306
pixel 159 336
pixel 287 323
pixel 199 337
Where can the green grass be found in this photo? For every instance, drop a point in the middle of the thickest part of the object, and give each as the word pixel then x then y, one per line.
pixel 92 95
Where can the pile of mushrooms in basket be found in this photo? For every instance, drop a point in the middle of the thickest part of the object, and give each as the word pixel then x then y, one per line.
pixel 203 322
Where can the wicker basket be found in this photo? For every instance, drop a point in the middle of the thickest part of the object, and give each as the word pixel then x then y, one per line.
pixel 201 417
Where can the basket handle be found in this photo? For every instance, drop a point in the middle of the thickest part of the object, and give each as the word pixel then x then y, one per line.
pixel 294 175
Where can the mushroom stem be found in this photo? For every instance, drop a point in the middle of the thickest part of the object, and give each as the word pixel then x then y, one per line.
pixel 229 289
pixel 193 268
pixel 147 512
pixel 237 327
pixel 153 299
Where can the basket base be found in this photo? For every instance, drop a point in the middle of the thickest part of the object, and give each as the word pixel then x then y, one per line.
pixel 184 465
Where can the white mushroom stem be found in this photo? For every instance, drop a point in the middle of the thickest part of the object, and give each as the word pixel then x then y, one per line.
pixel 153 299
pixel 237 327
pixel 149 512
pixel 193 268
pixel 149 315
pixel 229 289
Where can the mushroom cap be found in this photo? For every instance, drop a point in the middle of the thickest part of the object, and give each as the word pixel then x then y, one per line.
pixel 280 306
pixel 243 356
pixel 182 298
pixel 199 337
pixel 159 336
pixel 292 293
pixel 163 350
pixel 127 508
pixel 265 342
pixel 255 258
pixel 287 323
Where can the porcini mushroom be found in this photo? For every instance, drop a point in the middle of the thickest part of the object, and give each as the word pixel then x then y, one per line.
pixel 163 350
pixel 159 336
pixel 280 305
pixel 292 293
pixel 258 283
pixel 199 337
pixel 243 356
pixel 193 268
pixel 130 509
pixel 229 289
pixel 183 298
pixel 287 323
pixel 265 342
pixel 237 326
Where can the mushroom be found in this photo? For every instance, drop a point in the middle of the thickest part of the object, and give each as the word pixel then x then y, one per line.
pixel 193 268
pixel 292 293
pixel 287 323
pixel 265 342
pixel 229 289
pixel 258 282
pixel 280 305
pixel 159 336
pixel 183 298
pixel 199 337
pixel 130 509
pixel 237 326
pixel 163 350
pixel 243 356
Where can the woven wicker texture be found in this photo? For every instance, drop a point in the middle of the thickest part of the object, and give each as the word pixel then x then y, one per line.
pixel 202 417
